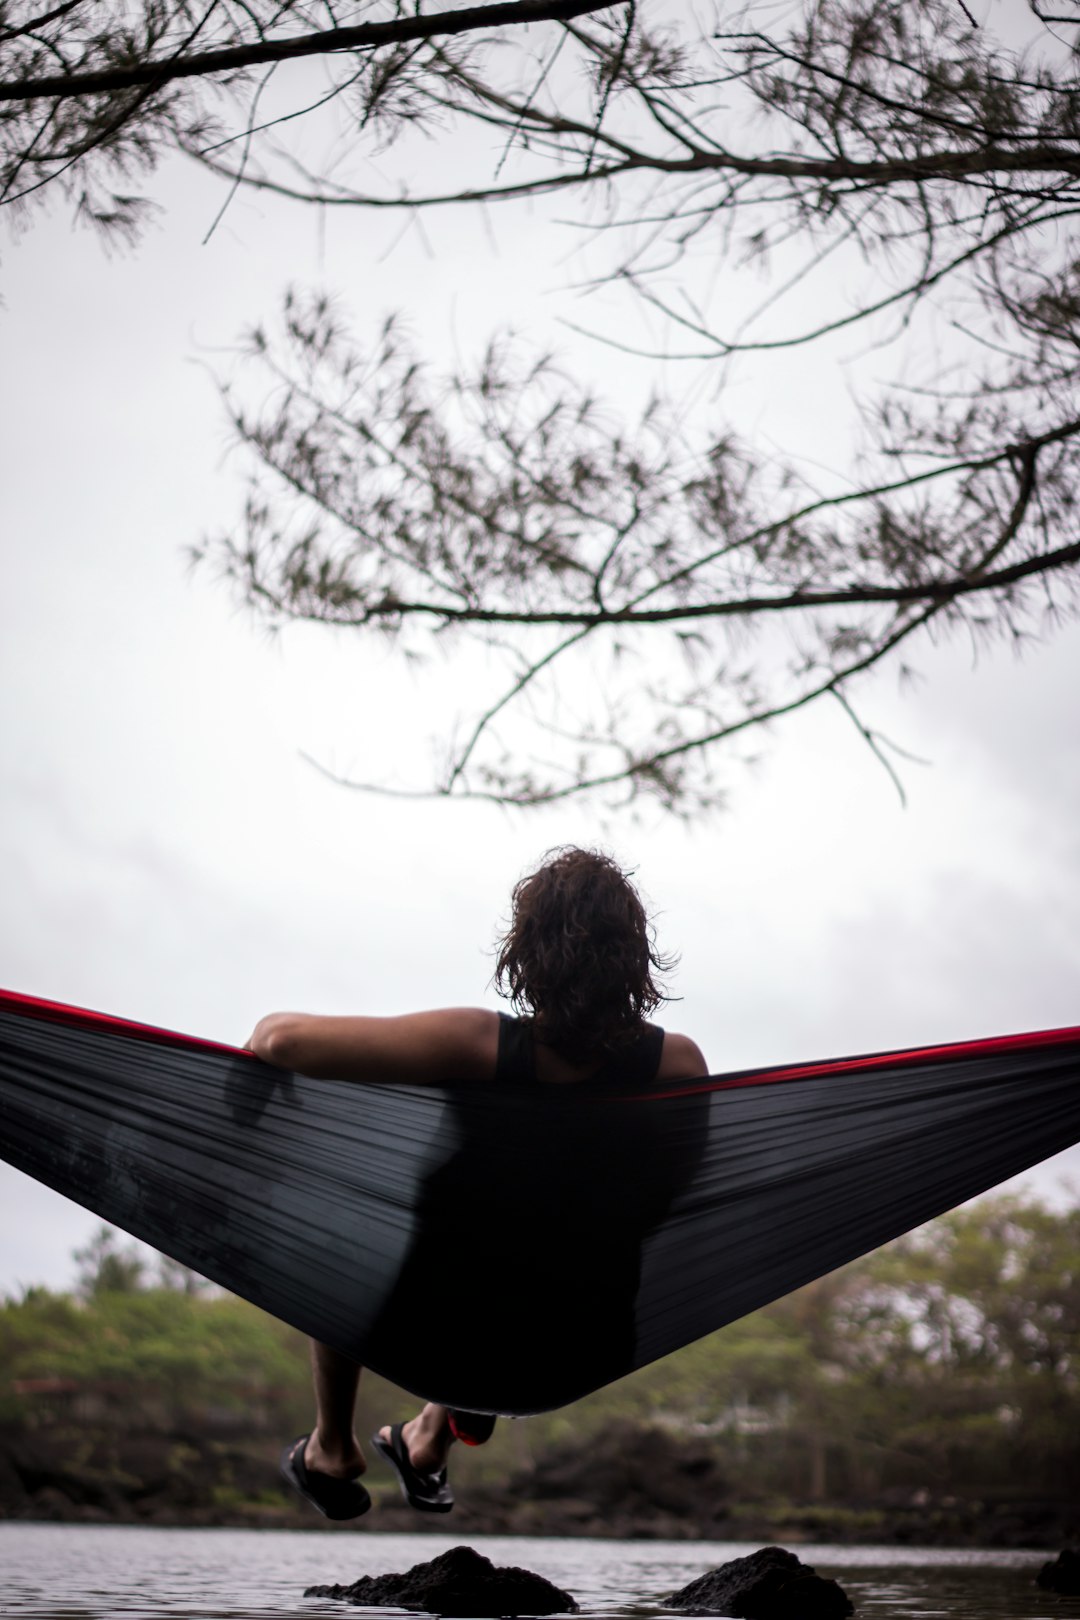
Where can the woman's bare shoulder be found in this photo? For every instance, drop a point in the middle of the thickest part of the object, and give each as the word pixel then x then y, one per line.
pixel 682 1059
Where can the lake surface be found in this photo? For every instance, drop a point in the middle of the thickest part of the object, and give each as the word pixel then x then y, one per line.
pixel 90 1572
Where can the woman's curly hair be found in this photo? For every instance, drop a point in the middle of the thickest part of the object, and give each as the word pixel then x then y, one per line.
pixel 580 954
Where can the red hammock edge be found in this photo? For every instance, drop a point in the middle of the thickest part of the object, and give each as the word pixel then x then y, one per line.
pixel 58 1012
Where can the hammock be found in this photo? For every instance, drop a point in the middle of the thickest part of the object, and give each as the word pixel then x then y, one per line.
pixel 502 1252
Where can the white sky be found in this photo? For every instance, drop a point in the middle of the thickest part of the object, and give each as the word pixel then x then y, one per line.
pixel 167 855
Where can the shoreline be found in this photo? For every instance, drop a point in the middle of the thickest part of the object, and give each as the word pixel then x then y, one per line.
pixel 648 1489
pixel 963 1526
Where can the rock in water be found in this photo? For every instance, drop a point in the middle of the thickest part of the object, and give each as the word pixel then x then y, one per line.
pixel 768 1585
pixel 461 1582
pixel 1063 1575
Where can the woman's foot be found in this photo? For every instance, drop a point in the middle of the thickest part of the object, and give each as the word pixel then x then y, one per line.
pixel 417 1452
pixel 427 1439
pixel 338 1459
pixel 337 1496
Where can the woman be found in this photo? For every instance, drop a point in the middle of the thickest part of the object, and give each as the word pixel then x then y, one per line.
pixel 578 963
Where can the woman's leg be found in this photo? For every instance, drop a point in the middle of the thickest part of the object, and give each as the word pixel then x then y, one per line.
pixel 333 1447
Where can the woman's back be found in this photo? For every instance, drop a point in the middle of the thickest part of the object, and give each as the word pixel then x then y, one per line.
pixel 529 1241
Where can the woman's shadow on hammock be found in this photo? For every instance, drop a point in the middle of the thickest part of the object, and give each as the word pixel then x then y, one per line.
pixel 251 1086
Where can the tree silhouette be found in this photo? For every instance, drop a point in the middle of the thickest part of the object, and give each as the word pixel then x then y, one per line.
pixel 649 594
pixel 93 93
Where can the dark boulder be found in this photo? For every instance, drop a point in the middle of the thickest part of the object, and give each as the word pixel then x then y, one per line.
pixel 768 1585
pixel 1063 1575
pixel 460 1582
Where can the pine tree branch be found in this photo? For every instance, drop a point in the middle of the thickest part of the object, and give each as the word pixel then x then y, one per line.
pixel 935 591
pixel 365 36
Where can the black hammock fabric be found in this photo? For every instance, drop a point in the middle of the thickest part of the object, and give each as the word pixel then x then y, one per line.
pixel 511 1251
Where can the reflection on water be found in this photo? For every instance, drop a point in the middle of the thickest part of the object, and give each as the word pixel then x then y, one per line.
pixel 83 1572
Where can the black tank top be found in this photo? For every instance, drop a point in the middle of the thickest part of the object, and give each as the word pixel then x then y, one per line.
pixel 630 1067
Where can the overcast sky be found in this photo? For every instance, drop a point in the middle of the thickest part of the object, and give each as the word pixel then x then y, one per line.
pixel 169 856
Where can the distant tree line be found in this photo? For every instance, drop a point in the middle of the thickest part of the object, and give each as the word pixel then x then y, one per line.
pixel 947 1361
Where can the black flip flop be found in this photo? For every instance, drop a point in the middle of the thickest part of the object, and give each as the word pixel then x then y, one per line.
pixel 334 1498
pixel 428 1493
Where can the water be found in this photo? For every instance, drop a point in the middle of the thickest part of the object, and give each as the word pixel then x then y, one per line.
pixel 87 1572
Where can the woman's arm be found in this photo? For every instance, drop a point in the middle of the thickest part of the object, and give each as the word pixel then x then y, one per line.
pixel 428 1048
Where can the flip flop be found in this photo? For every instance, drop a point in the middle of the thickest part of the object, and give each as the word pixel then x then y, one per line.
pixel 334 1498
pixel 428 1493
